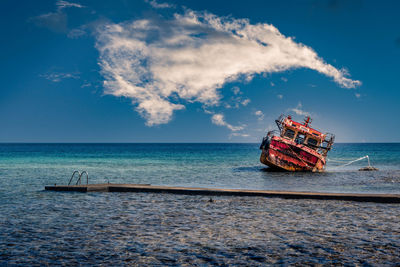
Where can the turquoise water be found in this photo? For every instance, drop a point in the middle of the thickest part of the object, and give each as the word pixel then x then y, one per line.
pixel 50 228
pixel 31 166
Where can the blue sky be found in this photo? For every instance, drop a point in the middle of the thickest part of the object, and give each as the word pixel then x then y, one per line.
pixel 197 71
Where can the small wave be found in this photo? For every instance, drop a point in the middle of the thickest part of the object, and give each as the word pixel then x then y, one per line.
pixel 249 169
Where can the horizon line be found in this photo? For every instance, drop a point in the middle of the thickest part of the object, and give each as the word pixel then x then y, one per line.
pixel 44 143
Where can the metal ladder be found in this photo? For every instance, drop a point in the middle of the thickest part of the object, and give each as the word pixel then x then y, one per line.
pixel 79 177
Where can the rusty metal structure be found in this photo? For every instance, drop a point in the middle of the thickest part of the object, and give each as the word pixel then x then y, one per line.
pixel 297 147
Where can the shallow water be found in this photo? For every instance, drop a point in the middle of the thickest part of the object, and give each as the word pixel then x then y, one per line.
pixel 52 228
pixel 124 228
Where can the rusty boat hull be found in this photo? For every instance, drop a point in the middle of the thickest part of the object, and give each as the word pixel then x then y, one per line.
pixel 297 148
pixel 282 156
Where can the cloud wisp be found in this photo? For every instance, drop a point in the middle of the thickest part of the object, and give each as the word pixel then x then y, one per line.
pixel 259 114
pixel 219 119
pixel 156 4
pixel 299 110
pixel 55 21
pixel 161 64
pixel 64 4
pixel 59 76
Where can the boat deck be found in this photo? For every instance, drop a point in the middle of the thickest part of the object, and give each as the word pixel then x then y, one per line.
pixel 147 188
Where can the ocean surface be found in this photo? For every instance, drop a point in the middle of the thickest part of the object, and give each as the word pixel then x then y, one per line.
pixel 53 228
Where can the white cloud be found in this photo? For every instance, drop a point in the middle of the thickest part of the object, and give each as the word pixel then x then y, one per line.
pixel 236 100
pixel 59 76
pixel 192 56
pixel 279 96
pixel 156 4
pixel 236 90
pixel 55 21
pixel 259 114
pixel 86 84
pixel 64 4
pixel 76 33
pixel 284 79
pixel 239 135
pixel 219 119
pixel 246 101
pixel 299 110
pixel 357 95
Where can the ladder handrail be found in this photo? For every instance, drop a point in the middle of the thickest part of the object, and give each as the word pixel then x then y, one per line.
pixel 70 180
pixel 79 181
pixel 87 176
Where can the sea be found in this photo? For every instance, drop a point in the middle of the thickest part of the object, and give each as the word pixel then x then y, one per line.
pixel 43 228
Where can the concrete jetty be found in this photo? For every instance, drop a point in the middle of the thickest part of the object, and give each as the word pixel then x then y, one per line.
pixel 147 188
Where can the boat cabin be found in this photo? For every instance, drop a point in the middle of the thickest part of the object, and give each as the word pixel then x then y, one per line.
pixel 305 135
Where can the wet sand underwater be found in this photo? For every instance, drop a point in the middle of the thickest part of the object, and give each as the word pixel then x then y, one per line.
pixel 163 229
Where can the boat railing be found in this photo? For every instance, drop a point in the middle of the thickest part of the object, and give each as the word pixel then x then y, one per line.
pixel 327 143
pixel 279 122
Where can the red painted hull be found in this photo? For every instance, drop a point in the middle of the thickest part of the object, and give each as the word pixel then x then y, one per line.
pixel 287 155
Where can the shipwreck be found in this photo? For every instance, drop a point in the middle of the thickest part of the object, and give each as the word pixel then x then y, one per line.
pixel 296 147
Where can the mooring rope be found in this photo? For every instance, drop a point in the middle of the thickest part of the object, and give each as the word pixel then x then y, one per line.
pixel 343 165
pixel 338 160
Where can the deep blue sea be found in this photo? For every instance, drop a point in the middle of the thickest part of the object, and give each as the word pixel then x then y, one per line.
pixel 53 228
